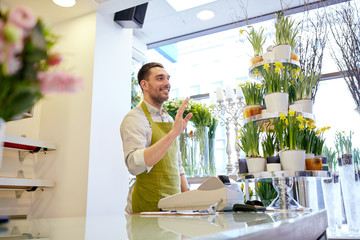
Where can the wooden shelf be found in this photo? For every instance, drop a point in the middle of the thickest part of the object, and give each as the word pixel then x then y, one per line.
pixel 27 144
pixel 10 183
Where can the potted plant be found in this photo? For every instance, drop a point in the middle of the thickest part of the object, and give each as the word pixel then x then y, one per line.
pixel 254 98
pixel 276 86
pixel 268 146
pixel 285 34
pixel 257 41
pixel 303 85
pixel 249 136
pixel 290 134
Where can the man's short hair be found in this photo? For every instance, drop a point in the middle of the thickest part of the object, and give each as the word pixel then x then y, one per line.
pixel 144 70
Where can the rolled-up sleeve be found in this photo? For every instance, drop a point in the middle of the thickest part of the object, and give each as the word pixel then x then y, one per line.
pixel 134 137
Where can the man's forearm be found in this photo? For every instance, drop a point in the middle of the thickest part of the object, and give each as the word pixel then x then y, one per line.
pixel 156 152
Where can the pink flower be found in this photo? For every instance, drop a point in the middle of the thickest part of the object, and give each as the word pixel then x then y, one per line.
pixel 12 61
pixel 23 17
pixel 59 81
pixel 54 59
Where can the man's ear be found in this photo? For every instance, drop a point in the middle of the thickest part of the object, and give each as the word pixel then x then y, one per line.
pixel 143 84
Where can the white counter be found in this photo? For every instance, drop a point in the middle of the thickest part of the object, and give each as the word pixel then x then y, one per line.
pixel 227 225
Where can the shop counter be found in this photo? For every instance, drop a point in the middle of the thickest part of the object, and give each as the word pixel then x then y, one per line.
pixel 228 225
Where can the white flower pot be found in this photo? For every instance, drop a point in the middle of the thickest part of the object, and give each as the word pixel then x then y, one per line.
pixel 2 136
pixel 268 56
pixel 309 155
pixel 295 107
pixel 293 160
pixel 277 102
pixel 256 164
pixel 306 105
pixel 272 167
pixel 282 51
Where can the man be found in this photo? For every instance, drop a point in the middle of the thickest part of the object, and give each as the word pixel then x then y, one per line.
pixel 149 137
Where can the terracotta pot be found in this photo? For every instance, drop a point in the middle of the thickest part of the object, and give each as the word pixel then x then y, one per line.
pixel 252 110
pixel 294 56
pixel 313 164
pixel 255 60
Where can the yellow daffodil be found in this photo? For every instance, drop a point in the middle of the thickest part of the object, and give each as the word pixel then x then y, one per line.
pixel 300 119
pixel 301 126
pixel 282 116
pixel 277 70
pixel 266 66
pixel 241 31
pixel 286 122
pixel 242 187
pixel 278 65
pixel 323 129
pixel 291 113
pixel 317 132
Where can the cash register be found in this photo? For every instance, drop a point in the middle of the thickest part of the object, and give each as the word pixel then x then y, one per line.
pixel 220 191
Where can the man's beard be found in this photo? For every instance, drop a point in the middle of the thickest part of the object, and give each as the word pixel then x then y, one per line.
pixel 158 99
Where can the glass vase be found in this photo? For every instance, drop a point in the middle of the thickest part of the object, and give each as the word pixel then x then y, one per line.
pixel 201 151
pixel 212 165
pixel 332 198
pixel 347 178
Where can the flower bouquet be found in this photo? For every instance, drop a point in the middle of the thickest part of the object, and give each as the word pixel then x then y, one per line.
pixel 28 63
pixel 276 86
pixel 249 136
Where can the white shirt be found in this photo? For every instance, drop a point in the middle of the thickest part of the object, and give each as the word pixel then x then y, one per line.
pixel 136 135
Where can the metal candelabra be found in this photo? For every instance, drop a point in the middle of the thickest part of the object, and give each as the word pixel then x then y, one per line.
pixel 230 112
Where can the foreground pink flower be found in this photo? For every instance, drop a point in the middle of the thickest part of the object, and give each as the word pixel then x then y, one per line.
pixel 23 17
pixel 12 62
pixel 54 59
pixel 58 81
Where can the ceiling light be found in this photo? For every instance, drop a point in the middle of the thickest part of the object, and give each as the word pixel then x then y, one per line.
pixel 65 3
pixel 187 4
pixel 205 14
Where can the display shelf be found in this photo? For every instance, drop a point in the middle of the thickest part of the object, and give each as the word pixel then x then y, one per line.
pixel 27 144
pixel 266 116
pixel 275 174
pixel 258 66
pixel 10 183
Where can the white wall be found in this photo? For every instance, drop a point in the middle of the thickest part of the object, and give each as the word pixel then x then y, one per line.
pixel 108 175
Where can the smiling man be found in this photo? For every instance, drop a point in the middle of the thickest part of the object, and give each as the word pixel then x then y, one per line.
pixel 149 136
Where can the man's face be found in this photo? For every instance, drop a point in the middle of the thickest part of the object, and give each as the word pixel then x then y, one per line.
pixel 157 87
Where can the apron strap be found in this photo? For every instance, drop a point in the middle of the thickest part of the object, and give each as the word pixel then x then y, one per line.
pixel 146 111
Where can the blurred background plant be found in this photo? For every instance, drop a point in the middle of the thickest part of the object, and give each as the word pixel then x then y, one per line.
pixel 330 154
pixel 136 93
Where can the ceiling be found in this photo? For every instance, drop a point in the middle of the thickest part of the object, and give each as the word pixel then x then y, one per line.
pixel 162 23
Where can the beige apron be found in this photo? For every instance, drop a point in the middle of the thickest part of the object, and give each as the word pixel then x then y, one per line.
pixel 163 179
